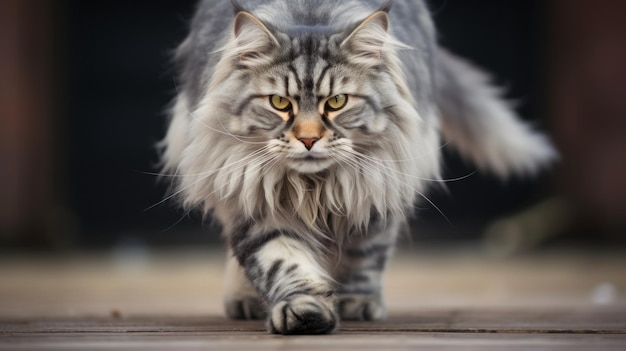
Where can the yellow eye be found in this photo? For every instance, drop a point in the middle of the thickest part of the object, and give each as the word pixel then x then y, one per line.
pixel 280 103
pixel 336 102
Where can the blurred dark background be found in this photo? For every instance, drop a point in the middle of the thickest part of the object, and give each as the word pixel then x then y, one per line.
pixel 85 86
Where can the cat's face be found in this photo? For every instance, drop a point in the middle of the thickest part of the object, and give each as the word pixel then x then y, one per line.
pixel 313 97
pixel 313 112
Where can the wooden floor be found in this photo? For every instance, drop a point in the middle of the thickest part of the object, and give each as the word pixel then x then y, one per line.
pixel 439 300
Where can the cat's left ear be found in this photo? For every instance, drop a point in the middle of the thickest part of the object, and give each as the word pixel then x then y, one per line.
pixel 254 42
pixel 366 43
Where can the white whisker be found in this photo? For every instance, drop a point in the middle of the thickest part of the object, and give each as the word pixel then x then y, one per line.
pixel 364 166
pixel 203 176
pixel 250 156
pixel 225 132
pixel 185 215
pixel 411 159
pixel 378 163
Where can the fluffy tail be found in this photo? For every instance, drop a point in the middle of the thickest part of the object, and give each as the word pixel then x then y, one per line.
pixel 482 126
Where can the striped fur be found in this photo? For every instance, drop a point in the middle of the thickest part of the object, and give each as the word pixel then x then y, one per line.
pixel 311 198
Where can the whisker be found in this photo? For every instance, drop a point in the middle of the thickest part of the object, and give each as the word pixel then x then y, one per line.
pixel 267 160
pixel 185 215
pixel 420 157
pixel 225 132
pixel 202 177
pixel 264 158
pixel 371 159
pixel 365 164
pixel 435 206
pixel 427 199
pixel 253 154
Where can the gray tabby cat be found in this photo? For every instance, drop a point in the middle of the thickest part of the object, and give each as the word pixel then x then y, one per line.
pixel 309 129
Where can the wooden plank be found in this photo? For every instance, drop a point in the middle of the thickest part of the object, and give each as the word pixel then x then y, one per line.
pixel 440 302
pixel 585 321
pixel 344 340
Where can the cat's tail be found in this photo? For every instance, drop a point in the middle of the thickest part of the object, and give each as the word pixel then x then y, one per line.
pixel 483 126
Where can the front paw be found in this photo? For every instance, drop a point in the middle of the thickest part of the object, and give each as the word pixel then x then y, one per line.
pixel 303 314
pixel 245 308
pixel 361 307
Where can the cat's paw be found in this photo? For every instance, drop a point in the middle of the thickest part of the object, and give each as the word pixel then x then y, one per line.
pixel 245 308
pixel 303 314
pixel 361 307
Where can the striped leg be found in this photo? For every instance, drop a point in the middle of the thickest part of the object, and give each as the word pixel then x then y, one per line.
pixel 290 280
pixel 360 273
pixel 241 300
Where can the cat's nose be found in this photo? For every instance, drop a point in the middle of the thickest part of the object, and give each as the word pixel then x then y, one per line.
pixel 308 142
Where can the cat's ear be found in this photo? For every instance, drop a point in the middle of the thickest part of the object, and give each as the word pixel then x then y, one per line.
pixel 366 43
pixel 254 42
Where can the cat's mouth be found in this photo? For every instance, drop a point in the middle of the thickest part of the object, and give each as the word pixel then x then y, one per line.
pixel 309 156
pixel 313 158
pixel 310 163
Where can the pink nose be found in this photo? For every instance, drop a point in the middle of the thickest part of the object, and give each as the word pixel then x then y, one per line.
pixel 308 142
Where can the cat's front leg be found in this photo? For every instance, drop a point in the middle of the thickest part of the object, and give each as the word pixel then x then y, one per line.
pixel 360 273
pixel 241 300
pixel 290 279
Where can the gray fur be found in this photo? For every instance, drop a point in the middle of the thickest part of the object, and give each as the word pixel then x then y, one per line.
pixel 311 198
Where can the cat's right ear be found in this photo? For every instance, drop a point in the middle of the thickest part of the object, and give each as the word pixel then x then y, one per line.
pixel 366 43
pixel 254 42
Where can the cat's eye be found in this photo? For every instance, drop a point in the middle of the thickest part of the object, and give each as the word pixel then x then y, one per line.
pixel 280 103
pixel 336 102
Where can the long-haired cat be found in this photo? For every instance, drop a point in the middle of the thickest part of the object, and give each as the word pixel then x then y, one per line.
pixel 308 129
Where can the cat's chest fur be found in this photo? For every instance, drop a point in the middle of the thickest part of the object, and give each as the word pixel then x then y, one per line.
pixel 331 201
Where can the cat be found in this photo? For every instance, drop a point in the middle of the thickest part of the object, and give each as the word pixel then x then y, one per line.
pixel 308 129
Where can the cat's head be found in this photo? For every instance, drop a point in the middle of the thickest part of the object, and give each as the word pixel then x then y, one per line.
pixel 313 95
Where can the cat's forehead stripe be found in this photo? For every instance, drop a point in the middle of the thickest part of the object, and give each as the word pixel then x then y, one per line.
pixel 318 85
pixel 287 85
pixel 309 77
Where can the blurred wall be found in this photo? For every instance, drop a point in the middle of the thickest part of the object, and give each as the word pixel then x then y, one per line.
pixel 587 70
pixel 27 57
pixel 120 82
